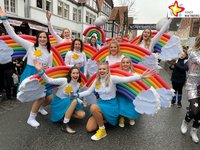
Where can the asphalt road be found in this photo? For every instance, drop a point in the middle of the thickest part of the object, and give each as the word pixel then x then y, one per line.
pixel 158 132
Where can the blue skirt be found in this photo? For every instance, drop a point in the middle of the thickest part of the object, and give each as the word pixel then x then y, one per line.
pixel 126 107
pixel 29 71
pixel 59 107
pixel 109 109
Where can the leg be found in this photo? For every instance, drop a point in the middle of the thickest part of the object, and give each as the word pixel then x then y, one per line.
pixel 180 88
pixel 98 116
pixel 80 114
pixel 174 85
pixel 91 124
pixel 46 102
pixel 35 107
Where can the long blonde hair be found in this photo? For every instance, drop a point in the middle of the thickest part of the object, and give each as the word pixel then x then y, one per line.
pixel 118 47
pixel 98 77
pixel 131 65
pixel 148 41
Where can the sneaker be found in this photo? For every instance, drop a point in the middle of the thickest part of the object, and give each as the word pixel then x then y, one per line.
pixel 193 134
pixel 131 122
pixel 121 122
pixel 66 128
pixel 184 127
pixel 42 111
pixel 179 105
pixel 101 133
pixel 173 102
pixel 33 123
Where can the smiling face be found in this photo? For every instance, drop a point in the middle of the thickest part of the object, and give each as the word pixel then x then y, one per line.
pixel 146 34
pixel 42 39
pixel 114 49
pixel 77 45
pixel 75 75
pixel 126 64
pixel 66 33
pixel 103 70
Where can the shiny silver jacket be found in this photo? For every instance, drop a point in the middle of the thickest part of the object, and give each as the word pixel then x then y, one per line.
pixel 193 79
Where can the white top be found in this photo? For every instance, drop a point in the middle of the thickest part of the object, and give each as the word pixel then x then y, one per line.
pixel 70 61
pixel 157 37
pixel 62 84
pixel 107 93
pixel 45 58
pixel 55 35
pixel 113 59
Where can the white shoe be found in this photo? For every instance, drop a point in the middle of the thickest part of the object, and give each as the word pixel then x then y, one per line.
pixel 184 127
pixel 33 122
pixel 193 134
pixel 42 111
pixel 132 122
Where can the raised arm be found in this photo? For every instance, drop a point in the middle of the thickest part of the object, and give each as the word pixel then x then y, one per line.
pixel 157 37
pixel 51 30
pixel 41 72
pixel 24 43
pixel 88 91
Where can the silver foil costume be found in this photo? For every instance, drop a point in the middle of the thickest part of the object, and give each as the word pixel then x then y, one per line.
pixel 193 79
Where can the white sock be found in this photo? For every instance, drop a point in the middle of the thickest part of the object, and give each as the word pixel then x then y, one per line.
pixel 66 120
pixel 102 127
pixel 32 115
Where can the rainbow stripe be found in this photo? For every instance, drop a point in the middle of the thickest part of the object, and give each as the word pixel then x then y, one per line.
pixel 162 42
pixel 19 51
pixel 57 72
pixel 133 51
pixel 89 31
pixel 62 49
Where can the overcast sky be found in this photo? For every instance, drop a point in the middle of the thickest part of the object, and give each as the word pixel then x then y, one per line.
pixel 148 11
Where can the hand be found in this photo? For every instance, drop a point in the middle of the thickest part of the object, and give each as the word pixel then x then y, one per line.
pixel 48 15
pixel 148 73
pixel 2 13
pixel 79 65
pixel 38 65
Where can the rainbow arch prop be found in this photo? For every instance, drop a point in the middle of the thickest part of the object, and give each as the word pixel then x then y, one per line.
pixel 57 72
pixel 19 51
pixel 133 51
pixel 62 49
pixel 89 31
pixel 162 42
pixel 129 90
pixel 155 81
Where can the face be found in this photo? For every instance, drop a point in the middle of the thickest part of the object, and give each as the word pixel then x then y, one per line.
pixel 182 55
pixel 113 49
pixel 42 40
pixel 66 33
pixel 146 34
pixel 119 39
pixel 77 45
pixel 126 64
pixel 75 74
pixel 102 71
pixel 93 40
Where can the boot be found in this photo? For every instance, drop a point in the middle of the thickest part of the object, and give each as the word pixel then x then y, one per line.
pixel 32 121
pixel 179 105
pixel 66 128
pixel 193 134
pixel 184 127
pixel 173 100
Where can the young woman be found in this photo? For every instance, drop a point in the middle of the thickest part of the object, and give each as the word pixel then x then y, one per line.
pixel 65 35
pixel 76 57
pixel 63 107
pixel 107 106
pixel 114 53
pixel 41 51
pixel 93 42
pixel 126 107
pixel 178 77
pixel 192 87
pixel 147 42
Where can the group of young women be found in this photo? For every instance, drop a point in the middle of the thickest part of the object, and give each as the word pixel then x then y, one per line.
pixel 66 103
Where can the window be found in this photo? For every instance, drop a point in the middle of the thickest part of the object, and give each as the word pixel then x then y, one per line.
pixel 76 34
pixel 87 17
pixel 10 5
pixel 48 5
pixel 60 8
pixel 66 11
pixel 39 3
pixel 74 14
pixel 79 15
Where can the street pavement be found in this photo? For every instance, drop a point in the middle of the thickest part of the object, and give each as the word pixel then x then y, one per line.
pixel 158 132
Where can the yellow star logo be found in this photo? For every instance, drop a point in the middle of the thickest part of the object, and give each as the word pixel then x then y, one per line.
pixel 38 53
pixel 176 9
pixel 68 89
